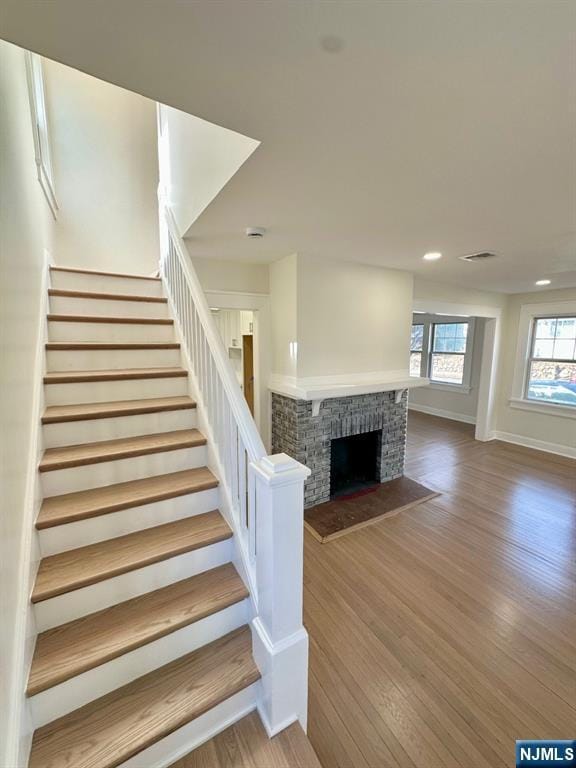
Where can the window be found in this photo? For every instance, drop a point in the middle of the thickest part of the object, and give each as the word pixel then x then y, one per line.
pixel 441 350
pixel 40 128
pixel 416 349
pixel 551 370
pixel 449 342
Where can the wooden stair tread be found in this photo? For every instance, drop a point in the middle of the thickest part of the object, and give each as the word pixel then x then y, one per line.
pixel 98 272
pixel 59 346
pixel 110 319
pixel 81 567
pixel 66 651
pixel 85 411
pixel 81 505
pixel 115 374
pixel 106 732
pixel 123 448
pixel 72 294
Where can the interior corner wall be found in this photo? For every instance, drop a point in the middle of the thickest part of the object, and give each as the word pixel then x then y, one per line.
pixel 105 164
pixel 548 428
pixel 26 230
pixel 352 318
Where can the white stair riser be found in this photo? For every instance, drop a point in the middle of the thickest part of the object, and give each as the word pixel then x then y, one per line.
pixel 89 476
pixel 73 305
pixel 80 690
pixel 111 359
pixel 81 602
pixel 112 332
pixel 61 538
pixel 98 430
pixel 109 391
pixel 165 752
pixel 79 281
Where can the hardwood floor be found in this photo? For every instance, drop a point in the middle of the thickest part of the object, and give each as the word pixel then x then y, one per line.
pixel 441 635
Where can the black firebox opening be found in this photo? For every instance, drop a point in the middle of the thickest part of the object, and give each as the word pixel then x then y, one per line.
pixel 353 463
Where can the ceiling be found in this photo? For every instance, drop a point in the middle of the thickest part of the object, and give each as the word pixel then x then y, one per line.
pixel 388 129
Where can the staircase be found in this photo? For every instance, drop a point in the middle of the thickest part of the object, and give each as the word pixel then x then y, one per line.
pixel 144 645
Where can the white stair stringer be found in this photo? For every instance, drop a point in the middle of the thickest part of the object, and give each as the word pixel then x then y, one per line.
pixel 87 686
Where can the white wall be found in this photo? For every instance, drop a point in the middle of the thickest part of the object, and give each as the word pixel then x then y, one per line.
pixel 105 160
pixel 458 404
pixel 216 275
pixel 26 229
pixel 352 318
pixel 200 159
pixel 552 428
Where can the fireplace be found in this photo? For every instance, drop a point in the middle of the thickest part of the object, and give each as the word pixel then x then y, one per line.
pixel 353 463
pixel 348 443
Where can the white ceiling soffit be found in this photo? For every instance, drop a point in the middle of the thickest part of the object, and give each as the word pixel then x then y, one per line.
pixel 388 129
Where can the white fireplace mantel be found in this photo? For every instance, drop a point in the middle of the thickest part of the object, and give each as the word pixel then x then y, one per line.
pixel 321 388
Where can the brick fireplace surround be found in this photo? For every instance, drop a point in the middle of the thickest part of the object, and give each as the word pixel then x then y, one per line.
pixel 307 438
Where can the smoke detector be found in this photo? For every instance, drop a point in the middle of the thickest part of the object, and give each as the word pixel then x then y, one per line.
pixel 477 256
pixel 255 232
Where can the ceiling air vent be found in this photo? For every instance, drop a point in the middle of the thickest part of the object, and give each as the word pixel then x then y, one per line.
pixel 477 256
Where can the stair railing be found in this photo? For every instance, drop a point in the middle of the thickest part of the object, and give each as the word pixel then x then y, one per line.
pixel 264 495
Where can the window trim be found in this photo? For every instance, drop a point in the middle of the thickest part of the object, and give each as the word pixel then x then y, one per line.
pixel 429 320
pixel 524 347
pixel 39 117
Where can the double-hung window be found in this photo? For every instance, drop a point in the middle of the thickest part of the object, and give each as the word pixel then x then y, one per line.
pixel 551 369
pixel 441 350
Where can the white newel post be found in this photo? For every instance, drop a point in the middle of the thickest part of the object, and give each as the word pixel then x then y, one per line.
pixel 280 640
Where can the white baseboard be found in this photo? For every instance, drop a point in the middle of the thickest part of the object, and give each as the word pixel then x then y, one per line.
pixel 452 415
pixel 537 445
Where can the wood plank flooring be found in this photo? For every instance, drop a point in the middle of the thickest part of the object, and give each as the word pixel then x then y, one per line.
pixel 246 745
pixel 441 635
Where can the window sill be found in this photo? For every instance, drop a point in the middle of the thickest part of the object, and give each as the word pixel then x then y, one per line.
pixel 462 389
pixel 550 409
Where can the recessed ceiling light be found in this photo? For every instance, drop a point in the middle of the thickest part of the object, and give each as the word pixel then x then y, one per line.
pixel 542 282
pixel 432 256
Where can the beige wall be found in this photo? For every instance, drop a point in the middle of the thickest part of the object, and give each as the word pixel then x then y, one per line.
pixel 26 229
pixel 430 290
pixel 538 426
pixel 352 318
pixel 216 275
pixel 105 159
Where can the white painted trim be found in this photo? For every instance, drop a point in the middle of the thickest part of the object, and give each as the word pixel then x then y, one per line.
pixel 19 738
pixel 459 388
pixel 343 385
pixel 537 445
pixel 548 409
pixel 452 415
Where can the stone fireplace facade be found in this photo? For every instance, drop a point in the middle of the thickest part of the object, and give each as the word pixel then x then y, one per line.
pixel 307 438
